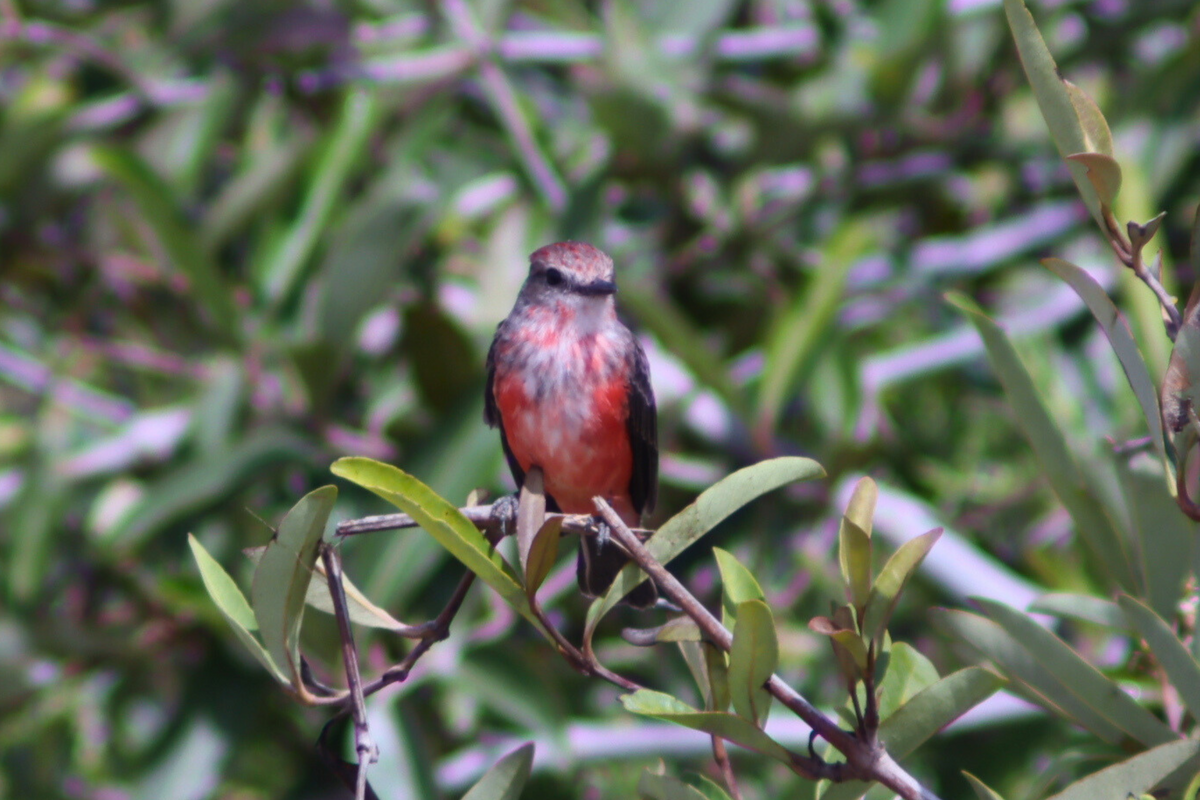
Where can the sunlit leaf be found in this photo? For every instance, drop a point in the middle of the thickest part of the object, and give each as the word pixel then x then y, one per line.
pixel 283 574
pixel 543 554
pixel 854 557
pixel 1104 173
pixel 1096 134
pixel 738 584
pixel 908 673
pixel 443 521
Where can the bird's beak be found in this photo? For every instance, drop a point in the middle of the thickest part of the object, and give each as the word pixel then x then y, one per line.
pixel 597 288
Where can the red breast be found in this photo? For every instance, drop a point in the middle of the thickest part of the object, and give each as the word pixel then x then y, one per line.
pixel 575 430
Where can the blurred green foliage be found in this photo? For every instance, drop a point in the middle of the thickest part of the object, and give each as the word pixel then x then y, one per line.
pixel 239 240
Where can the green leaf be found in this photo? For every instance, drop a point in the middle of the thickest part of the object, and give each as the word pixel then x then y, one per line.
pixel 361 610
pixel 1092 519
pixel 895 573
pixel 1096 134
pixel 982 790
pixel 233 606
pixel 738 584
pixel 1104 173
pixel 663 787
pixel 676 629
pixel 346 145
pixel 506 778
pixel 543 553
pixel 752 660
pixel 443 521
pixel 1133 776
pixel 1083 607
pixel 920 718
pixel 908 673
pixel 849 641
pixel 792 343
pixel 706 512
pixel 1018 665
pixel 1168 650
pixel 854 556
pixel 1121 338
pixel 1166 538
pixel 1054 99
pixel 282 577
pixel 728 726
pixel 1080 677
pixel 159 208
pixel 531 514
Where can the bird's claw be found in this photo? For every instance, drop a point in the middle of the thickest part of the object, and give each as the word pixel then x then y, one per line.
pixel 504 512
pixel 603 533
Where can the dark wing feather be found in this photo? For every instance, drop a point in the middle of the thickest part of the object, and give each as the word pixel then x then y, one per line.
pixel 642 426
pixel 491 412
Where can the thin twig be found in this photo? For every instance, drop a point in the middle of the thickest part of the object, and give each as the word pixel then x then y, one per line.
pixel 863 761
pixel 479 516
pixel 364 746
pixel 721 756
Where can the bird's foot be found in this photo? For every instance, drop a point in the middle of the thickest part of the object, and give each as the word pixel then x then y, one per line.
pixel 504 512
pixel 603 533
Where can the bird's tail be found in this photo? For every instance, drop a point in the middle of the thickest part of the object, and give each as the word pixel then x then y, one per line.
pixel 597 567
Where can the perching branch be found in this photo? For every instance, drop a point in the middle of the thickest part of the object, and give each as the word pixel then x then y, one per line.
pixel 864 760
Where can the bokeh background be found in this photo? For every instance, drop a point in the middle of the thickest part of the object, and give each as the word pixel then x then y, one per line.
pixel 240 240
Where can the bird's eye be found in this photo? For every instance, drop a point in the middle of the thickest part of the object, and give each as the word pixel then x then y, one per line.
pixel 553 277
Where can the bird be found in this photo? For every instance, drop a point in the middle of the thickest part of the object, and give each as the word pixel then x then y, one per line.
pixel 568 386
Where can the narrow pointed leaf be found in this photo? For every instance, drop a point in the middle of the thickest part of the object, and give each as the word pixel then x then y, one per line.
pixel 1123 344
pixel 716 665
pixel 441 520
pixel 233 606
pixel 1092 519
pixel 1133 776
pixel 1168 650
pixel 1028 676
pixel 896 572
pixel 728 726
pixel 1079 676
pixel 1082 607
pixel 506 778
pixel 848 640
pixel 678 629
pixel 1053 98
pixel 705 513
pixel 982 790
pixel 282 577
pixel 1166 538
pixel 752 660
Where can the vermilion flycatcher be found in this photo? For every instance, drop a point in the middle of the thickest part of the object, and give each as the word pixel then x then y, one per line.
pixel 569 387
